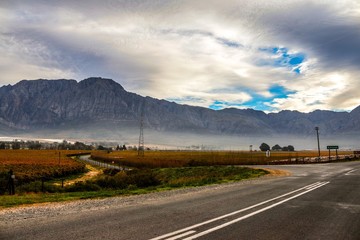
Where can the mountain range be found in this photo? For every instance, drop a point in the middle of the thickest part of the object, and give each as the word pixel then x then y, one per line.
pixel 58 105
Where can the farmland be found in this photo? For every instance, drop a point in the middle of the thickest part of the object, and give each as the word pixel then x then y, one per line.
pixel 160 159
pixel 30 165
pixel 40 171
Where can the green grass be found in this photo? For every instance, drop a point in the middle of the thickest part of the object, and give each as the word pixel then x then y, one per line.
pixel 166 179
pixel 198 176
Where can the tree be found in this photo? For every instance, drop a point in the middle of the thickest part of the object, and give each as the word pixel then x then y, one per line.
pixel 100 147
pixel 264 147
pixel 291 148
pixel 285 149
pixel 276 148
pixel 16 145
pixel 34 145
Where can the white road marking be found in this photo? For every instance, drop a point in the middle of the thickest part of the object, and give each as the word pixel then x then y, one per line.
pixel 251 214
pixel 314 185
pixel 308 188
pixel 182 235
pixel 350 172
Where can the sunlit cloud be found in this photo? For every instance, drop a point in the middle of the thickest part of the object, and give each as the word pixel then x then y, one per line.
pixel 267 55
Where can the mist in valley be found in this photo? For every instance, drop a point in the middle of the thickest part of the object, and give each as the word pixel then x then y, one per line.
pixel 188 141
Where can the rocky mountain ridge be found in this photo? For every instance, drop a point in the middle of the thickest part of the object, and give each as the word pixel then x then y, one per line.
pixel 48 104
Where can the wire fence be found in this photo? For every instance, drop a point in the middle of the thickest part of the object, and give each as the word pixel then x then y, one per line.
pixel 87 159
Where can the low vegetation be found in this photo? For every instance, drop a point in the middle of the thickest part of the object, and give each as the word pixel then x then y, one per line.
pixel 33 165
pixel 42 171
pixel 116 182
pixel 161 159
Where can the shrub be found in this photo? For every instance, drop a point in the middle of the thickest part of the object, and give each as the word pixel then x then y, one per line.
pixel 36 187
pixel 83 187
pixel 3 182
pixel 122 180
pixel 142 178
pixel 110 171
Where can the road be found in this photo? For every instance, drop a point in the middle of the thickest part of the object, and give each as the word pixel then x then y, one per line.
pixel 317 201
pixel 87 159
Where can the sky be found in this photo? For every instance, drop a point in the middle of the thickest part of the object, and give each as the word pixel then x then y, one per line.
pixel 268 55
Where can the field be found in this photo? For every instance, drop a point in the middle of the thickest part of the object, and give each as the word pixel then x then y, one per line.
pixel 155 171
pixel 30 165
pixel 159 159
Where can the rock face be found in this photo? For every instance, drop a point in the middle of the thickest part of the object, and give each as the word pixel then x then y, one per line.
pixel 47 104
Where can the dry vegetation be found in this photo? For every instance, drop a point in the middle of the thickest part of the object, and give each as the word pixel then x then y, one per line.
pixel 158 159
pixel 29 165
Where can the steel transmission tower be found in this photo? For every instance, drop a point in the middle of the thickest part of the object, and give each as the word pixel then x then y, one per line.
pixel 141 146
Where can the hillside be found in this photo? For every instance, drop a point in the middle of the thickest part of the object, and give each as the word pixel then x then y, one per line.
pixel 63 104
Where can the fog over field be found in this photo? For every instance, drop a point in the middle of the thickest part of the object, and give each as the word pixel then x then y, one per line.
pixel 182 141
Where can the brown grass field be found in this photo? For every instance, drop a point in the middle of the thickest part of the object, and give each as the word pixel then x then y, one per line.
pixel 29 165
pixel 157 159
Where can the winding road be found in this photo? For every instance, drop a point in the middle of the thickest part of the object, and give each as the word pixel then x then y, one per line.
pixel 316 201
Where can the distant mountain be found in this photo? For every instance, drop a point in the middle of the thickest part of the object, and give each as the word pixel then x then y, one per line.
pixel 62 104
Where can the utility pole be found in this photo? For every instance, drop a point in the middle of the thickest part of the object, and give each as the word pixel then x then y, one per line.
pixel 318 141
pixel 141 147
pixel 251 152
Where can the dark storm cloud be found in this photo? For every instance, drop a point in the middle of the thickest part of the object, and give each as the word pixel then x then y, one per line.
pixel 322 31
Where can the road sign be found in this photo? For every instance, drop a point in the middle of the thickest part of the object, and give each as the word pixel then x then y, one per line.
pixel 267 153
pixel 332 147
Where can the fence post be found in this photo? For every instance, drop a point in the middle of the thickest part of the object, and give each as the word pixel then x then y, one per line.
pixel 11 182
pixel 42 184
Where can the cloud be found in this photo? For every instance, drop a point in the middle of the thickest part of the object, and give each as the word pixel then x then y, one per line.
pixel 206 53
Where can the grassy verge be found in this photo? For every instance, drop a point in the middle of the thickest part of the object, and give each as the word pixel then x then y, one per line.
pixel 138 182
pixel 33 198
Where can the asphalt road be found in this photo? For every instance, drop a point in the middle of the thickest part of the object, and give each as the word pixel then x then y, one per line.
pixel 319 201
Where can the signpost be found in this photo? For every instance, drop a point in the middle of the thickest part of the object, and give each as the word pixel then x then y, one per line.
pixel 267 154
pixel 331 147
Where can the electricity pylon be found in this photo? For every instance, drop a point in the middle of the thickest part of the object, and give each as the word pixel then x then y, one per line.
pixel 141 147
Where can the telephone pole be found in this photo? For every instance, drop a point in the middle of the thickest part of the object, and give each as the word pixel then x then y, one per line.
pixel 318 141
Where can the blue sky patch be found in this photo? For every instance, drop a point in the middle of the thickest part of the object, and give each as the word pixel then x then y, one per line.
pixel 283 59
pixel 218 105
pixel 258 102
pixel 279 91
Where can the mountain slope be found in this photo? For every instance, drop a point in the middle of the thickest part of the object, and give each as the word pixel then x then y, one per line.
pixel 47 104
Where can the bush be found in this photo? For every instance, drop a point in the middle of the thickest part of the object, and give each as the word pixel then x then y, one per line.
pixel 142 178
pixel 36 187
pixel 83 187
pixel 122 180
pixel 110 171
pixel 3 182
